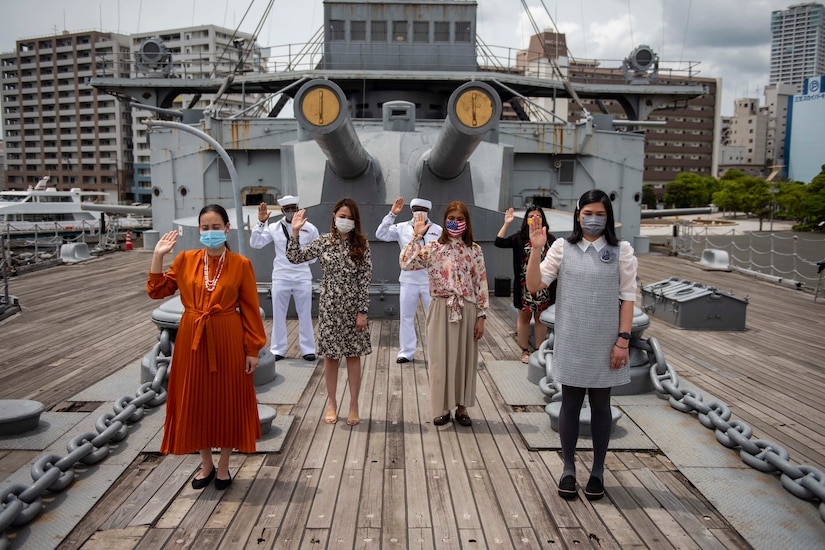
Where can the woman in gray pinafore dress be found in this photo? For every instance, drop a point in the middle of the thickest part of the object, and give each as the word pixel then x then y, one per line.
pixel 594 310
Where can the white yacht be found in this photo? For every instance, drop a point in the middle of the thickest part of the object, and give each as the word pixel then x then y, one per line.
pixel 45 209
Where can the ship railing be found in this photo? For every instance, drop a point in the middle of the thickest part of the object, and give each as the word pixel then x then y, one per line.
pixel 785 256
pixel 309 56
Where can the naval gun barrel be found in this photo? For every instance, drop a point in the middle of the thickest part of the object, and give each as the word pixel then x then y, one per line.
pixel 321 111
pixel 473 109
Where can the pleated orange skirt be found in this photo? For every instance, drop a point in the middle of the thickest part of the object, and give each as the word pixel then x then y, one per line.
pixel 207 409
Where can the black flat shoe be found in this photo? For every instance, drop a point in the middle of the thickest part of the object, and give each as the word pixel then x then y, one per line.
pixel 463 418
pixel 567 487
pixel 203 482
pixel 221 484
pixel 403 359
pixel 441 420
pixel 309 357
pixel 278 357
pixel 594 489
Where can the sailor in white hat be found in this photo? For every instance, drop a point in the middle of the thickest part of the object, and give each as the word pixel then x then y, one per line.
pixel 288 279
pixel 415 285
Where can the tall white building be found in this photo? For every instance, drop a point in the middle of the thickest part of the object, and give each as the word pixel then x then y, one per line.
pixel 776 107
pixel 204 51
pixel 749 130
pixel 797 44
pixel 54 124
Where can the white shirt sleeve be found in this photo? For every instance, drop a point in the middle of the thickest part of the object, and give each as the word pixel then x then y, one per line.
pixel 550 266
pixel 260 236
pixel 627 272
pixel 387 231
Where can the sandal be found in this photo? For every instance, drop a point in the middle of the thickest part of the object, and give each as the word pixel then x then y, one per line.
pixel 353 419
pixel 441 420
pixel 525 356
pixel 331 417
pixel 463 418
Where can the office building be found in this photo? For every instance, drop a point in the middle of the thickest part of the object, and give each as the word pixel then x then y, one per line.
pixel 54 124
pixel 797 44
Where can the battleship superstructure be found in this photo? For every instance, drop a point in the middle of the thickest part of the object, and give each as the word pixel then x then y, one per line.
pixel 398 105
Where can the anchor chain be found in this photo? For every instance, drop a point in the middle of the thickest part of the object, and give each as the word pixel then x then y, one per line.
pixel 20 504
pixel 804 481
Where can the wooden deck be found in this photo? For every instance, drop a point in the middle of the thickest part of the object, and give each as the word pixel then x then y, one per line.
pixel 397 481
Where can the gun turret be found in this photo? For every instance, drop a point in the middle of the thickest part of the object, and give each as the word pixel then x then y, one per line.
pixel 321 111
pixel 473 109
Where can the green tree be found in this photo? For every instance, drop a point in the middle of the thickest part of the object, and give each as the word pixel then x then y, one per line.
pixel 689 190
pixel 649 198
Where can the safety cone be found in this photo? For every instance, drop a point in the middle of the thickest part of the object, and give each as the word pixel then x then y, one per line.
pixel 128 239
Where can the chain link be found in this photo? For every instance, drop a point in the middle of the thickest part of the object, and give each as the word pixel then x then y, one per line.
pixel 20 504
pixel 805 481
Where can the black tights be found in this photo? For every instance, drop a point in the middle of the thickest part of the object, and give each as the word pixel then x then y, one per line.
pixel 572 399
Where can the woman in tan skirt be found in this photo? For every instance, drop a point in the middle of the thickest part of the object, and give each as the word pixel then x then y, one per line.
pixel 455 318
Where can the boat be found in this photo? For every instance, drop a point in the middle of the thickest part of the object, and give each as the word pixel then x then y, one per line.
pixel 46 210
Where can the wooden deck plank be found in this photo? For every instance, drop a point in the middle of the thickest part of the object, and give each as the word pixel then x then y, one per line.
pixel 397 480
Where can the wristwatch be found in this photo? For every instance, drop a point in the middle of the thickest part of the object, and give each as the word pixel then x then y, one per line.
pixel 482 317
pixel 625 335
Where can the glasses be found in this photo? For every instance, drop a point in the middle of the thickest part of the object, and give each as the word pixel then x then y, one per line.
pixel 289 209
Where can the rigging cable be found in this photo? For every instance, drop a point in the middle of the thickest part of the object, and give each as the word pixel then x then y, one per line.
pixel 684 37
pixel 555 67
pixel 630 24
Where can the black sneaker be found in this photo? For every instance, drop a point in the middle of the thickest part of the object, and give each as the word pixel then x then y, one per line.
pixel 567 487
pixel 594 489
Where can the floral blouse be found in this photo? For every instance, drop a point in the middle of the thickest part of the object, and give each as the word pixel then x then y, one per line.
pixel 456 271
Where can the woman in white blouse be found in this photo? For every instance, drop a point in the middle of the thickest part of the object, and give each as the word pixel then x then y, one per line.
pixel 594 310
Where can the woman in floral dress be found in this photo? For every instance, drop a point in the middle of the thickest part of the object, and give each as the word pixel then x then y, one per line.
pixel 455 318
pixel 527 304
pixel 344 256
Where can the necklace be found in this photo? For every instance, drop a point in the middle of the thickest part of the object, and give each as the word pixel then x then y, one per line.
pixel 212 283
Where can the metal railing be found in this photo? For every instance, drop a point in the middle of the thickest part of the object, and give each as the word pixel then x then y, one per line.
pixel 784 255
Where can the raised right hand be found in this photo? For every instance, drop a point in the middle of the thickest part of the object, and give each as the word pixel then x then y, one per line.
pixel 298 221
pixel 538 235
pixel 397 206
pixel 510 215
pixel 420 225
pixel 166 243
pixel 263 212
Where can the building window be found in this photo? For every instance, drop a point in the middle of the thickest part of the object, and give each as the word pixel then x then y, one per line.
pixel 399 31
pixel 358 31
pixel 378 31
pixel 462 31
pixel 336 29
pixel 421 31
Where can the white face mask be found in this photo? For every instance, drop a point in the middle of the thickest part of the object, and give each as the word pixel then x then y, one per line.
pixel 343 225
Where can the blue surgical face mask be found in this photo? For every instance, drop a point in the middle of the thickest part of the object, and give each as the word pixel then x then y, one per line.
pixel 593 226
pixel 213 238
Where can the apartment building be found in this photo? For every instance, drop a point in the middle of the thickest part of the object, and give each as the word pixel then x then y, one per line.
pixel 204 51
pixel 54 124
pixel 797 44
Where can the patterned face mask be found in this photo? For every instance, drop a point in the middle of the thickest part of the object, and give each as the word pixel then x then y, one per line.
pixel 455 228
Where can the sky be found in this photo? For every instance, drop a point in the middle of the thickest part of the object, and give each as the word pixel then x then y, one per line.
pixel 728 38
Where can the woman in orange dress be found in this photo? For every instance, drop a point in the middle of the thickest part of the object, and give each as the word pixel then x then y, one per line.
pixel 211 395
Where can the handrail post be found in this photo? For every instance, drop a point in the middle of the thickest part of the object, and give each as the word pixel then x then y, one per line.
pixel 230 166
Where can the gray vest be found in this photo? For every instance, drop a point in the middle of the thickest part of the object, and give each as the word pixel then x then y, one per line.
pixel 587 318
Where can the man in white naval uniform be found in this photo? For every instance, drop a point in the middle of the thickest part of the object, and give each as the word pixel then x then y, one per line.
pixel 414 284
pixel 288 279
